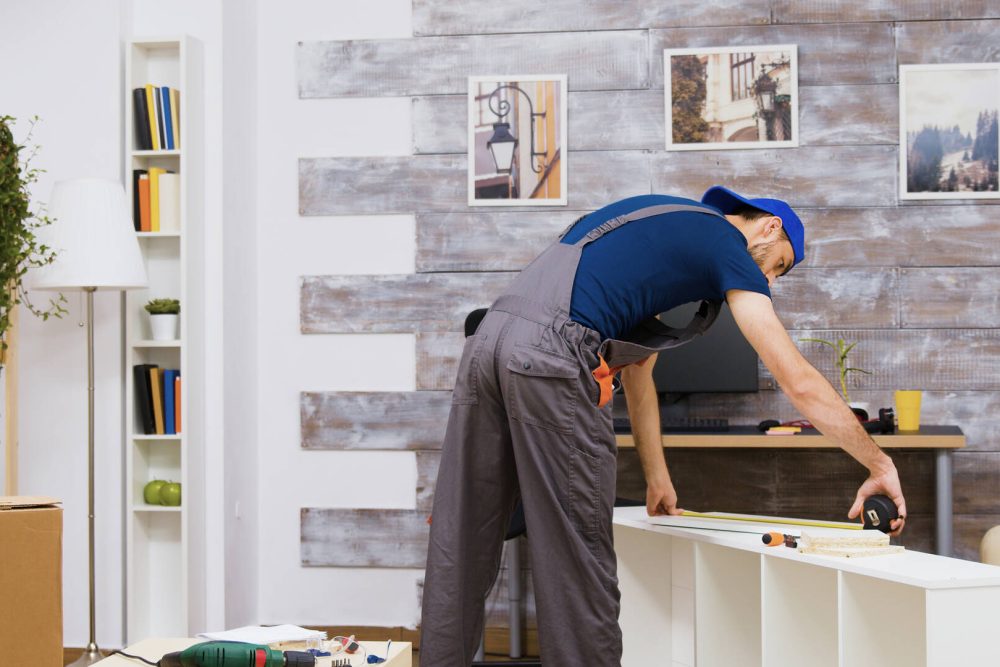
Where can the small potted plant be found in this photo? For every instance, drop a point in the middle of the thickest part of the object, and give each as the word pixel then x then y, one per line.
pixel 164 317
pixel 840 351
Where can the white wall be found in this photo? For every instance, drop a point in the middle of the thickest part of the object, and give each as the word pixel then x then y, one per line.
pixel 62 61
pixel 290 246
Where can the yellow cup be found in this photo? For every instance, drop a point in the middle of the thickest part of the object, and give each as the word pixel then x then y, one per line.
pixel 908 410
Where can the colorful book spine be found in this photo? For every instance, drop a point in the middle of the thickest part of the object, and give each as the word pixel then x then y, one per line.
pixel 168 123
pixel 156 383
pixel 175 115
pixel 140 118
pixel 142 394
pixel 169 396
pixel 151 112
pixel 154 198
pixel 158 98
pixel 137 175
pixel 145 223
pixel 177 403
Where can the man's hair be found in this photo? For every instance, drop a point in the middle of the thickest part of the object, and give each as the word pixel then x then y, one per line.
pixel 752 213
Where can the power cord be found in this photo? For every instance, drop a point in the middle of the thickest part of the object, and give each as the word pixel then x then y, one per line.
pixel 134 657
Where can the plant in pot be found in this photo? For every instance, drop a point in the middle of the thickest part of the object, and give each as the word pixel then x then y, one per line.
pixel 841 349
pixel 164 317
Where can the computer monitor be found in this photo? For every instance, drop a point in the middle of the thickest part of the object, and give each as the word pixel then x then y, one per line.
pixel 719 361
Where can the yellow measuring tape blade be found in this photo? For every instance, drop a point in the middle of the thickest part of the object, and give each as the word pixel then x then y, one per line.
pixel 773 519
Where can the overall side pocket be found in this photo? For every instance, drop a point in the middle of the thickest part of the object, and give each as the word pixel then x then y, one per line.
pixel 544 388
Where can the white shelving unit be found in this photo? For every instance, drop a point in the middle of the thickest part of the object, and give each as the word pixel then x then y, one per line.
pixel 158 539
pixel 717 599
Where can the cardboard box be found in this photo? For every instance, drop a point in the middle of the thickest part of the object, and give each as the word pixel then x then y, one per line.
pixel 31 581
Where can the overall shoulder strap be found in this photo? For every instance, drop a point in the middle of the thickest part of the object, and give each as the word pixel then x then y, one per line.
pixel 639 214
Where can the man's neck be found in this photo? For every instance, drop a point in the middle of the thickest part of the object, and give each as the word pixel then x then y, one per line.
pixel 739 223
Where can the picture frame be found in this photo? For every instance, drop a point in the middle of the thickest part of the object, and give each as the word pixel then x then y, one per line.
pixel 517 129
pixel 731 97
pixel 948 136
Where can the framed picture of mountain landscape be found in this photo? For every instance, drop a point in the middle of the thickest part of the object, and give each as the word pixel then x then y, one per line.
pixel 948 136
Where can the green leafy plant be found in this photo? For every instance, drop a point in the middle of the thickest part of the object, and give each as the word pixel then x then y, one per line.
pixel 20 249
pixel 840 351
pixel 163 307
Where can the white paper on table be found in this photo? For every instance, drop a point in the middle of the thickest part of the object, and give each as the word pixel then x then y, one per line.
pixel 256 634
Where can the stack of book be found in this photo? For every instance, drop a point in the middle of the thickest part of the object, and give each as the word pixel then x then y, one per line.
pixel 157 119
pixel 157 399
pixel 156 200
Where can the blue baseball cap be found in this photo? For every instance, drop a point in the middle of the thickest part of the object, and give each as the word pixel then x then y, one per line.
pixel 728 201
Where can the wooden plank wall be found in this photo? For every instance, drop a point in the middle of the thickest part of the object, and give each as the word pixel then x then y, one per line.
pixel 915 283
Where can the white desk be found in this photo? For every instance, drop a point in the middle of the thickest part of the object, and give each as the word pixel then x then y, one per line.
pixel 401 653
pixel 718 599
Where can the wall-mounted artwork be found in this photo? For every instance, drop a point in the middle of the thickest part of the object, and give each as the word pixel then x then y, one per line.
pixel 517 140
pixel 731 97
pixel 948 124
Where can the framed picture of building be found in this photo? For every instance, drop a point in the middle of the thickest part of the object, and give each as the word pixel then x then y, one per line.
pixel 948 126
pixel 517 140
pixel 731 97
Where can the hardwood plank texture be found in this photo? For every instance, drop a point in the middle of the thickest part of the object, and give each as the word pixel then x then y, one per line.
pixel 402 303
pixel 427 471
pixel 829 54
pixel 431 17
pixel 486 240
pixel 847 298
pixel 633 119
pixel 948 42
pixel 374 420
pixel 363 538
pixel 815 176
pixel 377 185
pixel 604 60
pixel 837 11
pixel 437 359
pixel 959 235
pixel 950 297
pixel 931 359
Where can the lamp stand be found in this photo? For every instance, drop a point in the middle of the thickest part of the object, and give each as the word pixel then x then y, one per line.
pixel 91 654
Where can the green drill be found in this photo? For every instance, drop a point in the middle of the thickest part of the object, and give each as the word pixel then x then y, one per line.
pixel 236 654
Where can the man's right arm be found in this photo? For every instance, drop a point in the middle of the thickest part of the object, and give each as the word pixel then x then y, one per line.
pixel 814 397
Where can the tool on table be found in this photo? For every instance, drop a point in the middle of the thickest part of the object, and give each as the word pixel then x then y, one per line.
pixel 231 654
pixel 885 424
pixel 774 538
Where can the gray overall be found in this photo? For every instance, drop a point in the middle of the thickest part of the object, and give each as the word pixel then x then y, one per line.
pixel 528 420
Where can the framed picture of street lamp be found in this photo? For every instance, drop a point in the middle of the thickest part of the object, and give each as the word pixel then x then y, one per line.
pixel 517 140
pixel 948 125
pixel 731 97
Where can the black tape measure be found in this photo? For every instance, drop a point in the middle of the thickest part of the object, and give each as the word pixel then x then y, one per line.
pixel 879 512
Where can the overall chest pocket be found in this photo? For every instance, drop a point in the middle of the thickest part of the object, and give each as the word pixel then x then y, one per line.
pixel 543 388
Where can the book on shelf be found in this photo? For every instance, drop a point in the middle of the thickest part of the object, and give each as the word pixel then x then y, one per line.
pixel 169 396
pixel 177 402
pixel 140 118
pixel 156 115
pixel 137 175
pixel 170 202
pixel 151 113
pixel 142 397
pixel 155 384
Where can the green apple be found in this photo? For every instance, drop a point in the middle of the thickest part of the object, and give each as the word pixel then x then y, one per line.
pixel 151 492
pixel 170 494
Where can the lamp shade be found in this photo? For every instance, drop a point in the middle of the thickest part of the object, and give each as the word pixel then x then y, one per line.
pixel 93 237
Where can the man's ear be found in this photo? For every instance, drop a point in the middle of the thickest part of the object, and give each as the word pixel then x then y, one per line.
pixel 772 227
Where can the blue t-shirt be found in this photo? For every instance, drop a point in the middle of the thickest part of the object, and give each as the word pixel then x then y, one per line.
pixel 649 266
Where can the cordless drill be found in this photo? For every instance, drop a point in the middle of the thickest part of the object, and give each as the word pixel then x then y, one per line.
pixel 236 654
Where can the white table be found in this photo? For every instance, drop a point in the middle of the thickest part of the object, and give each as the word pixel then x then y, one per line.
pixel 401 653
pixel 718 599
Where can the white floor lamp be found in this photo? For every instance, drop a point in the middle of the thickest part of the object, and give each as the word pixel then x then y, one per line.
pixel 97 249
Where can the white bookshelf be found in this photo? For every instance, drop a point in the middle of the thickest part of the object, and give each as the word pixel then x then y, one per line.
pixel 716 599
pixel 159 595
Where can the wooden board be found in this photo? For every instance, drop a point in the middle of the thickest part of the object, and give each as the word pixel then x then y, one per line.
pixel 376 185
pixel 829 54
pixel 431 17
pixel 848 298
pixel 363 538
pixel 931 359
pixel 396 303
pixel 437 359
pixel 633 119
pixel 801 176
pixel 754 440
pixel 605 60
pixel 427 471
pixel 374 420
pixel 950 297
pixel 948 42
pixel 824 11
